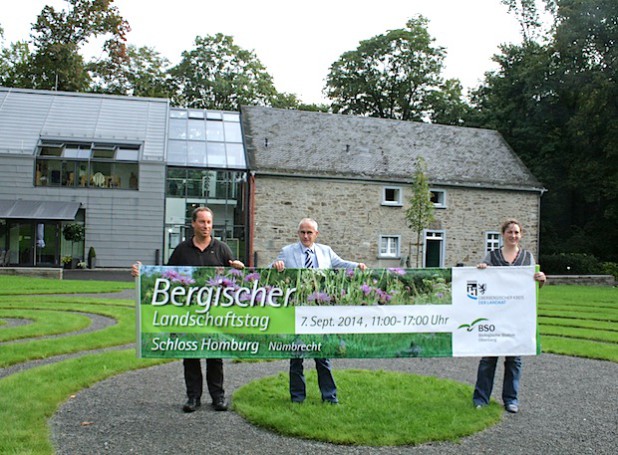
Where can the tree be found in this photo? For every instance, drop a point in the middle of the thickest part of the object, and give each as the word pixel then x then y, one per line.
pixel 447 104
pixel 73 232
pixel 393 75
pixel 555 105
pixel 14 65
pixel 420 213
pixel 527 15
pixel 218 74
pixel 142 73
pixel 57 37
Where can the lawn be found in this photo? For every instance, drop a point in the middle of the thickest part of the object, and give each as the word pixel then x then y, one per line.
pixel 573 320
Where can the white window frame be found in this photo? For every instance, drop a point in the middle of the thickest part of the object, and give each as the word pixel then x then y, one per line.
pixel 493 241
pixel 441 204
pixel 391 240
pixel 398 193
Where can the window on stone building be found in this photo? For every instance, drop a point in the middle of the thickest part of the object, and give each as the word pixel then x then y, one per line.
pixel 438 197
pixel 391 195
pixel 390 246
pixel 492 241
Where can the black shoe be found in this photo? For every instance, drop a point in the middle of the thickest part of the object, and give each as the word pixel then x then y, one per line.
pixel 219 404
pixel 191 405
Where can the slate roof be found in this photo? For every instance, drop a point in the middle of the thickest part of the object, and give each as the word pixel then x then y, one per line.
pixel 301 143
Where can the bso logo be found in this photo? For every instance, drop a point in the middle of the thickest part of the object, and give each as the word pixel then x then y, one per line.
pixel 486 328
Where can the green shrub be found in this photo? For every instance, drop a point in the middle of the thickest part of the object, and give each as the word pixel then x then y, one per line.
pixel 570 264
pixel 73 232
pixel 610 268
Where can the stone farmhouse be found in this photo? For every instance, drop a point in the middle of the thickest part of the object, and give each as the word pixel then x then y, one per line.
pixel 352 174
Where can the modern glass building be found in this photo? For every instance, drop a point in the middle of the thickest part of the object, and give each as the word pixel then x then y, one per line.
pixel 128 170
pixel 206 165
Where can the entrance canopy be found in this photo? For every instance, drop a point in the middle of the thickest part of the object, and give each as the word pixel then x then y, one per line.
pixel 38 210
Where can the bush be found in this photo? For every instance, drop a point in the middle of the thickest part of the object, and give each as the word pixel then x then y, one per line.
pixel 570 264
pixel 73 232
pixel 610 268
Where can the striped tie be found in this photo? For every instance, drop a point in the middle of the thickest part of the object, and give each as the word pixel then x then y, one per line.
pixel 308 259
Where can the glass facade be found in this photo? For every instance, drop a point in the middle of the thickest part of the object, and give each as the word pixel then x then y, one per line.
pixel 210 139
pixel 206 166
pixel 38 242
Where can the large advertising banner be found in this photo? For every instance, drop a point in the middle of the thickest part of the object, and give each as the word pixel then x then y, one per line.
pixel 205 312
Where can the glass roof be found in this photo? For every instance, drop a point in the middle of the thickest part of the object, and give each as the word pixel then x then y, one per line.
pixel 201 138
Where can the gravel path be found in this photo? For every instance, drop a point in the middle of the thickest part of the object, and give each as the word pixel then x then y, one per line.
pixel 568 406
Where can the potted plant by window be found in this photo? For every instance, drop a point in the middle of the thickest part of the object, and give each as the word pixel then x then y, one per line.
pixel 92 258
pixel 67 262
pixel 73 232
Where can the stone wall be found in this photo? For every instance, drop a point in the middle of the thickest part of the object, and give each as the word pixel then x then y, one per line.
pixel 583 280
pixel 39 272
pixel 351 218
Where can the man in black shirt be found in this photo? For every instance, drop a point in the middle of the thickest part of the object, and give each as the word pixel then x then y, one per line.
pixel 199 251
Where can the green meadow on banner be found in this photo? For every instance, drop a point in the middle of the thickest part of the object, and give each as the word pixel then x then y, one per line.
pixel 204 312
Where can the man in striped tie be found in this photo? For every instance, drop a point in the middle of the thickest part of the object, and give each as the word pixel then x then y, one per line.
pixel 308 254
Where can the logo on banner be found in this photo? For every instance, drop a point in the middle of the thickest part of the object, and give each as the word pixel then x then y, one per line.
pixel 474 289
pixel 477 323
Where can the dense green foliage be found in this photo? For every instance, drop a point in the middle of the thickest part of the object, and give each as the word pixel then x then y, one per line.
pixel 52 59
pixel 218 74
pixel 395 75
pixel 554 102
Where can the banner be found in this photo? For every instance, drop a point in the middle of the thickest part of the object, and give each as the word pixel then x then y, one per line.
pixel 206 312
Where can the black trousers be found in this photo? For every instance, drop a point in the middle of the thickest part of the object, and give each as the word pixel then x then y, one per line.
pixel 194 379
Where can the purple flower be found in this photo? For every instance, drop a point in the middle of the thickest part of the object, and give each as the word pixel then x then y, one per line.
pixel 170 274
pixel 319 297
pixel 253 277
pixel 236 272
pixel 397 271
pixel 383 296
pixel 184 280
pixel 350 272
pixel 366 289
pixel 176 277
pixel 215 281
pixel 227 283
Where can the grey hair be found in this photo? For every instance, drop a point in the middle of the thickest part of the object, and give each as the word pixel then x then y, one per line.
pixel 308 220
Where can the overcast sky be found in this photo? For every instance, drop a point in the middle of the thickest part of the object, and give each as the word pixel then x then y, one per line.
pixel 298 41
